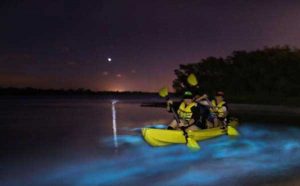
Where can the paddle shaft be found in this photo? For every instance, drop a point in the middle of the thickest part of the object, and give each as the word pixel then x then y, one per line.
pixel 178 121
pixel 173 111
pixel 175 114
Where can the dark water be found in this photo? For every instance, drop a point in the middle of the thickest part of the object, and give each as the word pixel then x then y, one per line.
pixel 71 142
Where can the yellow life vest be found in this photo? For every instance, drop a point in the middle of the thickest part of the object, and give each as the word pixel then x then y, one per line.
pixel 185 112
pixel 218 108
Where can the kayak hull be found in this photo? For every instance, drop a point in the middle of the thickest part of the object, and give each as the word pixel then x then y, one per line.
pixel 164 137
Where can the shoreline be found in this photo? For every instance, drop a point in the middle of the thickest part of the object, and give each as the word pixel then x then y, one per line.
pixel 248 110
pixel 293 102
pixel 275 114
pixel 265 109
pixel 243 107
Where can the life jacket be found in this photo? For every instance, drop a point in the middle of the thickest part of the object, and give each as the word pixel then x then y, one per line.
pixel 218 108
pixel 185 111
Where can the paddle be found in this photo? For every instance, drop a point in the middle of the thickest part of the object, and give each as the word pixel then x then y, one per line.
pixel 232 131
pixel 191 143
pixel 192 80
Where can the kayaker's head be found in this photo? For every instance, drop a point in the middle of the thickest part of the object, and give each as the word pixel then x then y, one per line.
pixel 219 96
pixel 187 97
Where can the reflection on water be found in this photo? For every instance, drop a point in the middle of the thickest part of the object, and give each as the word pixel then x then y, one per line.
pixel 88 156
pixel 257 153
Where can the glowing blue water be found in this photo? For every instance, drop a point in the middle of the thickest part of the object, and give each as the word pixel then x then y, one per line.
pixel 259 152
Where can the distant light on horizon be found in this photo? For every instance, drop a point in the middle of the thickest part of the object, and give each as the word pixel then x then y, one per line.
pixel 117 88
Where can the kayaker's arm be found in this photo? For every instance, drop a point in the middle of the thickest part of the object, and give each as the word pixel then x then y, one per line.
pixel 203 100
pixel 200 98
pixel 191 121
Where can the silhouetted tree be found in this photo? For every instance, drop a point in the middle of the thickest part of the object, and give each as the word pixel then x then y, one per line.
pixel 269 72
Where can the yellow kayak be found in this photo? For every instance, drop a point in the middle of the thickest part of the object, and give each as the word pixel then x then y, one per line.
pixel 164 137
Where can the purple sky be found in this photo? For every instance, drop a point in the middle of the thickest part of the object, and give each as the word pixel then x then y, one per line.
pixel 65 44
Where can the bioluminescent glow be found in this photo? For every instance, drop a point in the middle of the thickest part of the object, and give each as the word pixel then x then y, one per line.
pixel 158 126
pixel 259 152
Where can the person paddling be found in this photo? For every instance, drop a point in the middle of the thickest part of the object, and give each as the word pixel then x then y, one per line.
pixel 192 116
pixel 184 111
pixel 203 110
pixel 219 110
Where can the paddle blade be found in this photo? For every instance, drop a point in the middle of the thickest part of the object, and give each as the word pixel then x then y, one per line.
pixel 163 92
pixel 192 80
pixel 232 131
pixel 192 144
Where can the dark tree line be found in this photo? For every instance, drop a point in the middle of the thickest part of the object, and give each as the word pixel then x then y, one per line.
pixel 271 72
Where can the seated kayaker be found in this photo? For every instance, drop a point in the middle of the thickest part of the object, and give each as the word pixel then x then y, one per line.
pixel 203 110
pixel 218 111
pixel 189 113
pixel 184 111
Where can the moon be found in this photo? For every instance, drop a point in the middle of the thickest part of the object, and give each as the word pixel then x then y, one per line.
pixel 109 59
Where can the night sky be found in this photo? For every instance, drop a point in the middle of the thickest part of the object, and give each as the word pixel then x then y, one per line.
pixel 67 44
